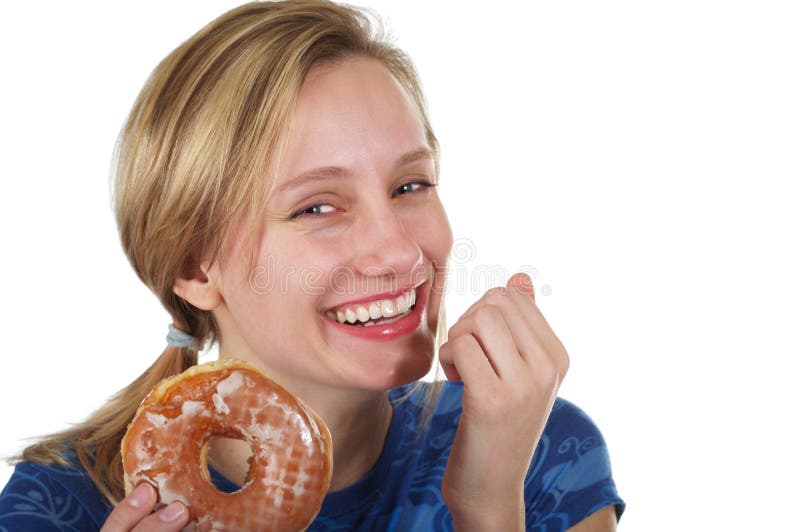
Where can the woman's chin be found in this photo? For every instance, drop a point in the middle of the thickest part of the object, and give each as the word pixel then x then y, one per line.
pixel 399 374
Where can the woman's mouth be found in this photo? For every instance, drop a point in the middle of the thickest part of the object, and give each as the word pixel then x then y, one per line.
pixel 375 312
pixel 381 319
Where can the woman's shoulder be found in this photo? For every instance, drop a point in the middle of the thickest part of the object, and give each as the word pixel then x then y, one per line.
pixel 569 420
pixel 570 475
pixel 51 497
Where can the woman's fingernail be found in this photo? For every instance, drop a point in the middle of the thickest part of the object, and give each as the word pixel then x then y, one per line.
pixel 140 495
pixel 171 512
pixel 524 283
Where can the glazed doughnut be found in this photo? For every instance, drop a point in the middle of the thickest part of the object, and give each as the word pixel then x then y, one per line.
pixel 290 468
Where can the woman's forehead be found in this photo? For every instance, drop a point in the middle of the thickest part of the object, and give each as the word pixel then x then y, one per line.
pixel 351 114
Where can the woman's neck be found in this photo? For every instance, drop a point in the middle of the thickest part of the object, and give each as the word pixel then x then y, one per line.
pixel 358 438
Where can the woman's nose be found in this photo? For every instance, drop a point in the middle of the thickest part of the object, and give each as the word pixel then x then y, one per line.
pixel 383 245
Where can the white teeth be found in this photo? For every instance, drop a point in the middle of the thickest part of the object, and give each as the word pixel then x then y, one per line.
pixel 362 313
pixel 388 308
pixel 402 304
pixel 385 308
pixel 374 311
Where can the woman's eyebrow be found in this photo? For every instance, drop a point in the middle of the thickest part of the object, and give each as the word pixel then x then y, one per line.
pixel 330 172
pixel 412 156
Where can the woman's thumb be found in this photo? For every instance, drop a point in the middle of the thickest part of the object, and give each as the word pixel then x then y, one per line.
pixel 522 282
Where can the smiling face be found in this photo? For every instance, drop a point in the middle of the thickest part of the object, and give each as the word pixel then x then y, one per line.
pixel 353 230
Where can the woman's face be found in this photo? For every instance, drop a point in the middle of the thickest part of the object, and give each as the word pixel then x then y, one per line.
pixel 351 224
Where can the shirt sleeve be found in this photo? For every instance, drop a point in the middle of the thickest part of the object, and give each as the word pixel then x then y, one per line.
pixel 570 474
pixel 33 501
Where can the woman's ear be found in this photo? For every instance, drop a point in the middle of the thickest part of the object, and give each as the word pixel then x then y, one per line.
pixel 195 286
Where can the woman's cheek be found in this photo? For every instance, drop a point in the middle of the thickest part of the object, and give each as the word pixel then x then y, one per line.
pixel 430 225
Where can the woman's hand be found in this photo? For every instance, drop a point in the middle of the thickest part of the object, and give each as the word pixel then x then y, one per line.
pixel 512 365
pixel 135 513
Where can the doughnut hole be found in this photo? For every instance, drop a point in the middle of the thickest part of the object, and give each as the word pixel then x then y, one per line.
pixel 239 470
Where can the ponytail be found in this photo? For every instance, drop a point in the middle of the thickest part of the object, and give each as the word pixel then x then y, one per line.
pixel 96 442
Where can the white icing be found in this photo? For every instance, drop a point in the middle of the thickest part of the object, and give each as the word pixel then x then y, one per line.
pixel 220 405
pixel 266 432
pixel 271 470
pixel 142 464
pixel 172 496
pixel 166 491
pixel 157 420
pixel 230 385
pixel 305 436
pixel 191 408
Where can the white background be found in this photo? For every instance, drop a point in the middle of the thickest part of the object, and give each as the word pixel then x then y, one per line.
pixel 641 156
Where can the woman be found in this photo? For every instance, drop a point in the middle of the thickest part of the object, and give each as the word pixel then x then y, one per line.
pixel 276 188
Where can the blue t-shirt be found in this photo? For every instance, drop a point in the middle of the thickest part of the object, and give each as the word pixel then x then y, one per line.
pixel 569 479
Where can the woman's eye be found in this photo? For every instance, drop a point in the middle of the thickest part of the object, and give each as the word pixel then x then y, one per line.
pixel 411 187
pixel 320 209
pixel 313 210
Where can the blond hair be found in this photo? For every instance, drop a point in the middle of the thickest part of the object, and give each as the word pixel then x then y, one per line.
pixel 208 126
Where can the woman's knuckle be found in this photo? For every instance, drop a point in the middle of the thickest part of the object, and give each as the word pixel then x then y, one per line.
pixel 462 343
pixel 495 295
pixel 549 380
pixel 462 326
pixel 564 362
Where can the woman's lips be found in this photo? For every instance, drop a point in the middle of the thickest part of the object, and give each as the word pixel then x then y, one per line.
pixel 392 296
pixel 387 331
